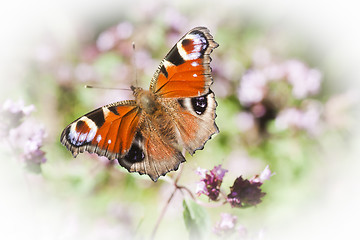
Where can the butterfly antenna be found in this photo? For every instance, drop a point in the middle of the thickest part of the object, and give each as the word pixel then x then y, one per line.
pixel 134 64
pixel 108 88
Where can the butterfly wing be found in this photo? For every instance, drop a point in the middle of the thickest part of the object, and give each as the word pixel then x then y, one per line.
pixel 108 131
pixel 194 118
pixel 152 152
pixel 120 131
pixel 185 71
pixel 182 82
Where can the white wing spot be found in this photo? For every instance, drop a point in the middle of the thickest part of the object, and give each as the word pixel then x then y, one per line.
pixel 91 135
pixel 194 75
pixel 194 64
pixel 109 141
pixel 199 44
pixel 73 135
pixel 98 138
pixel 82 137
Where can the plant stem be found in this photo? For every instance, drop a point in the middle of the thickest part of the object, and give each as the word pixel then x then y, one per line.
pixel 167 203
pixel 162 214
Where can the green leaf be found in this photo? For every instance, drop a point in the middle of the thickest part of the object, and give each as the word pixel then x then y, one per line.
pixel 196 219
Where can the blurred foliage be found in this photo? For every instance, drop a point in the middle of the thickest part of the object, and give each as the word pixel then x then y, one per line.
pixel 196 219
pixel 252 134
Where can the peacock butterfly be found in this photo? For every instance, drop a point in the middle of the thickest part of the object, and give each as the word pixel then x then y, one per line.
pixel 146 135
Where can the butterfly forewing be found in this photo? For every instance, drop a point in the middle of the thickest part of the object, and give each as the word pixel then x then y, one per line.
pixel 107 131
pixel 185 71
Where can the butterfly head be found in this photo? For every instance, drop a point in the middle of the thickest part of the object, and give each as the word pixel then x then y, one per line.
pixel 135 90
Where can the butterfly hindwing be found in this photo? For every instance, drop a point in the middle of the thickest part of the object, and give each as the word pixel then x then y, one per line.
pixel 194 118
pixel 152 153
pixel 185 71
pixel 107 131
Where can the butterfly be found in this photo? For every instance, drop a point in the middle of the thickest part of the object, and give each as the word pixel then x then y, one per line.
pixel 146 135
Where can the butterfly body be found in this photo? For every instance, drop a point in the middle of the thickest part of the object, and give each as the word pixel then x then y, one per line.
pixel 146 100
pixel 146 135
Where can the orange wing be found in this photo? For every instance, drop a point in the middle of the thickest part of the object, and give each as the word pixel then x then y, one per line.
pixel 151 152
pixel 185 71
pixel 108 131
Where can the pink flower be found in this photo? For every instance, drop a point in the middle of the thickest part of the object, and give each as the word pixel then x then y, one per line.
pixel 305 81
pixel 12 114
pixel 264 175
pixel 124 30
pixel 245 121
pixel 32 151
pixel 28 140
pixel 226 225
pixel 18 107
pixel 252 88
pixel 305 119
pixel 339 110
pixel 25 137
pixel 106 40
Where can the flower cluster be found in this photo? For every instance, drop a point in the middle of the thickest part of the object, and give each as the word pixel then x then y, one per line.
pixel 307 119
pixel 254 85
pixel 279 91
pixel 243 193
pixel 12 114
pixel 33 156
pixel 211 182
pixel 111 38
pixel 24 136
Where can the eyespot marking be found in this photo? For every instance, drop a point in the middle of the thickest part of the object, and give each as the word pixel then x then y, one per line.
pixel 199 104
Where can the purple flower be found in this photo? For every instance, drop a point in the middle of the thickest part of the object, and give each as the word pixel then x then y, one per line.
pixel 28 140
pixel 25 137
pixel 210 182
pixel 245 193
pixel 12 114
pixel 32 151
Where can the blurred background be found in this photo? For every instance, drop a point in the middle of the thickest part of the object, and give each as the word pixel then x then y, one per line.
pixel 286 83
